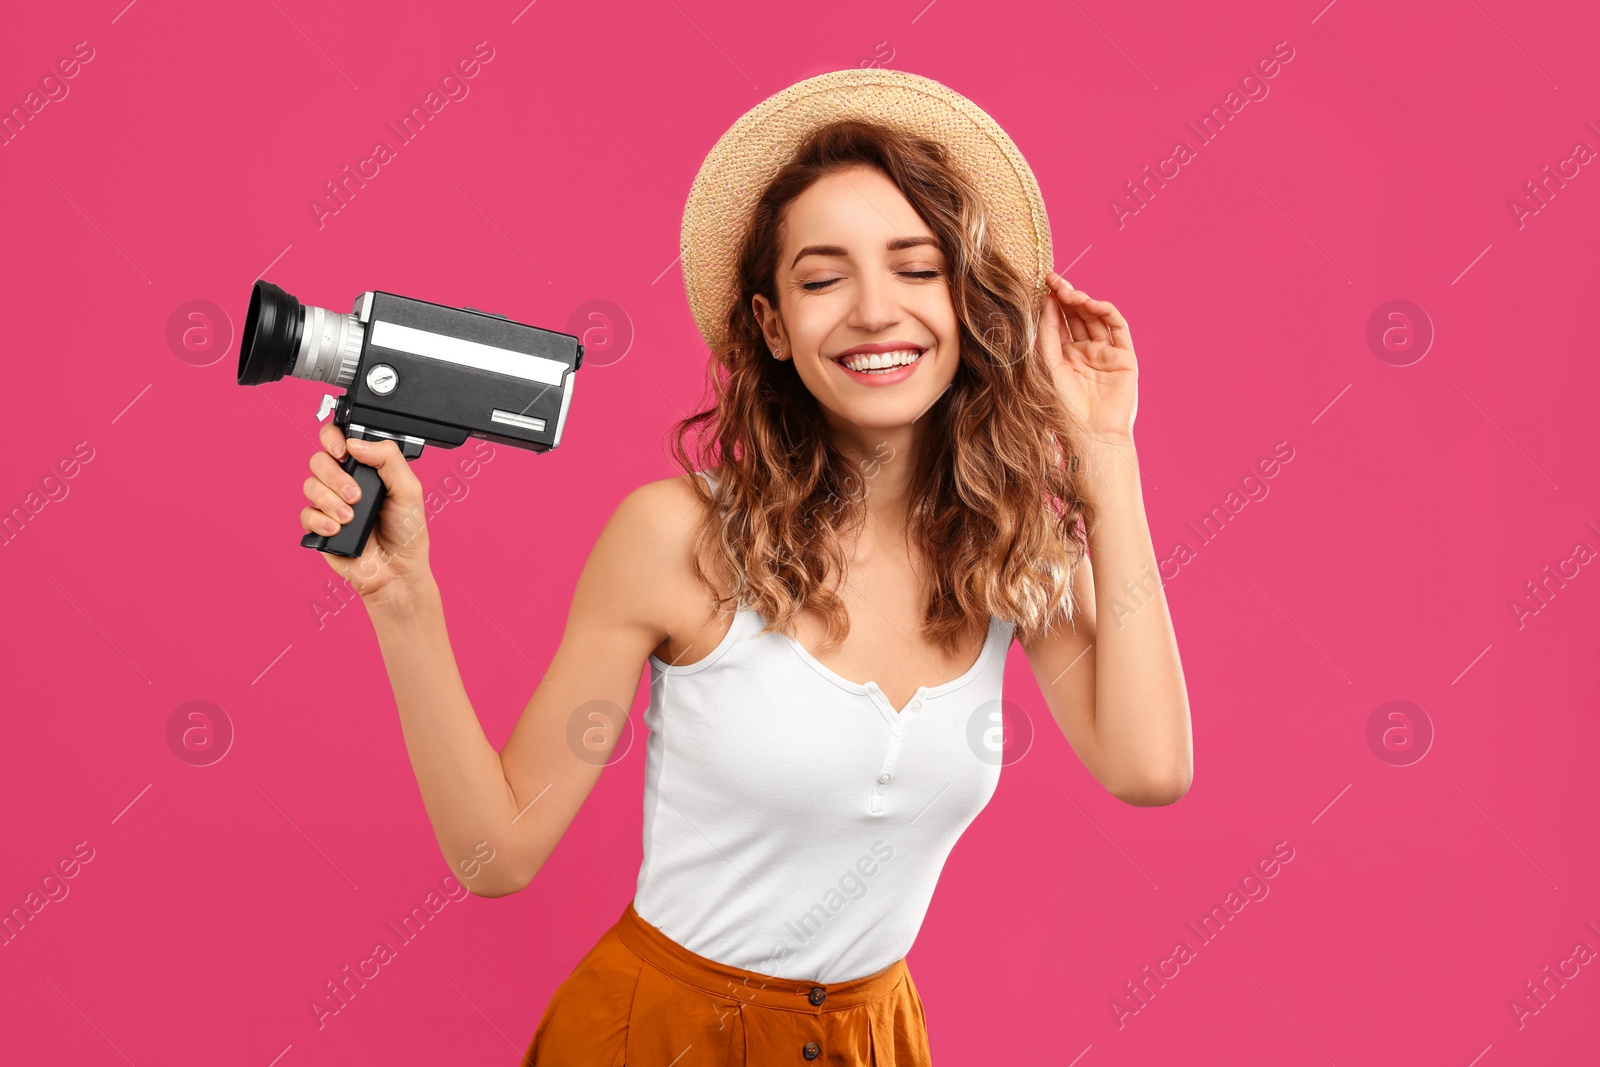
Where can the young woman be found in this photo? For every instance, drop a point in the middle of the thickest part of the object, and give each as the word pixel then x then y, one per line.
pixel 919 433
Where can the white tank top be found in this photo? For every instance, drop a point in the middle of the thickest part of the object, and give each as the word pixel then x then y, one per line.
pixel 795 823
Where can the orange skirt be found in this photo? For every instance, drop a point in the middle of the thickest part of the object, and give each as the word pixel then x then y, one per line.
pixel 639 997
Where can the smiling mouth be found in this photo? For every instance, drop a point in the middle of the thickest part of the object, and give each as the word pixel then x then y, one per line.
pixel 881 362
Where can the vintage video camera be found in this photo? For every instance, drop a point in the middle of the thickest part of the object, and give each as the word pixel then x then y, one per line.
pixel 414 373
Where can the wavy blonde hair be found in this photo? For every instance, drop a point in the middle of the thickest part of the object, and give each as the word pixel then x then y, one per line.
pixel 995 510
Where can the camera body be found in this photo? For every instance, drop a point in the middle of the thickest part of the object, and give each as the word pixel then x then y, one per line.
pixel 416 373
pixel 438 375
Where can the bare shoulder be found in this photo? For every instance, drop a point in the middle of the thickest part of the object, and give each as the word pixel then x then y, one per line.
pixel 661 518
pixel 668 500
pixel 645 559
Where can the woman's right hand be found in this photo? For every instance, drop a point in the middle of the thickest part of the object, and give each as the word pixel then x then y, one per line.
pixel 394 562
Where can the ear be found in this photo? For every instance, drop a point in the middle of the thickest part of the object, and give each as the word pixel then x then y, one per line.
pixel 771 324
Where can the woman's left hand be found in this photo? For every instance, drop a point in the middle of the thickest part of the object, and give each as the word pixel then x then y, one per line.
pixel 1088 350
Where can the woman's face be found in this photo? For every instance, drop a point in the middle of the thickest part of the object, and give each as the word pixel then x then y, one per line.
pixel 859 267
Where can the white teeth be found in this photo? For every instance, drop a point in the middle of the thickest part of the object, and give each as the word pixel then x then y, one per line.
pixel 881 360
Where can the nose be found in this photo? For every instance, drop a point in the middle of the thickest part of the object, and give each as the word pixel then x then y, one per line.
pixel 876 307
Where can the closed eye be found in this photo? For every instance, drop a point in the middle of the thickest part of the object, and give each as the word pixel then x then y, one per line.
pixel 924 274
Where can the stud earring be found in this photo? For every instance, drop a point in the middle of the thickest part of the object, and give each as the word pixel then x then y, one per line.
pixel 777 353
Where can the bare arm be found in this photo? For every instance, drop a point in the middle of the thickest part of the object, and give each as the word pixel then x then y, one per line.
pixel 1116 690
pixel 515 804
pixel 1113 680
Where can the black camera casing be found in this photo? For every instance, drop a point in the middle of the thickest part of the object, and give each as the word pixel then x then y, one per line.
pixel 458 373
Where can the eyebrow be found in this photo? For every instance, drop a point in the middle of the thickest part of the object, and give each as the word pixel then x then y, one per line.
pixel 895 245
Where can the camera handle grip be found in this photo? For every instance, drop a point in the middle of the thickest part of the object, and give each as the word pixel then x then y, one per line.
pixel 352 536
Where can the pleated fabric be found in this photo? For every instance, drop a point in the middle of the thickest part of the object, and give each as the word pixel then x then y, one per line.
pixel 640 998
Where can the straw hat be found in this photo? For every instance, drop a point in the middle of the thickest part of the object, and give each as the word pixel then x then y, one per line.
pixel 746 157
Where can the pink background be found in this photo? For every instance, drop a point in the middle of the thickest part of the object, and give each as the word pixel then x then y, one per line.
pixel 1381 565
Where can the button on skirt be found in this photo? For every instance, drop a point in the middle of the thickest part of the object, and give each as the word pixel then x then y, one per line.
pixel 638 997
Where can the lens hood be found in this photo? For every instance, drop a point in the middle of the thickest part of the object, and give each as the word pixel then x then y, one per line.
pixel 271 338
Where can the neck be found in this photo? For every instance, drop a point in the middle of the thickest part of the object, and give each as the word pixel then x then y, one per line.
pixel 881 463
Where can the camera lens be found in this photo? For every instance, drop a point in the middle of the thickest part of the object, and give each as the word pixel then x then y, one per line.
pixel 271 336
pixel 282 336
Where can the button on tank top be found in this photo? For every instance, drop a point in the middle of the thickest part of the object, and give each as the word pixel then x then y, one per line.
pixel 795 822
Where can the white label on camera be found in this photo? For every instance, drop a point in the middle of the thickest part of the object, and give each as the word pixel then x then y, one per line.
pixel 511 418
pixel 398 338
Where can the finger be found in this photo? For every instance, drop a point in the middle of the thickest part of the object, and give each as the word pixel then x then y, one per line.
pixel 1121 338
pixel 1115 324
pixel 323 497
pixel 314 521
pixel 1064 329
pixel 1084 313
pixel 335 477
pixel 1074 317
pixel 332 439
pixel 1091 317
pixel 397 476
pixel 1102 314
pixel 1068 353
pixel 1076 328
pixel 1050 327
